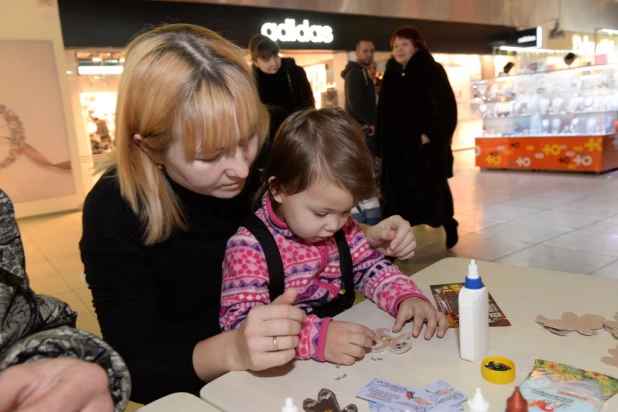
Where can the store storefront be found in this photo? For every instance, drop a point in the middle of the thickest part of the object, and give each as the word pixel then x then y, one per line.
pixel 322 43
pixel 558 111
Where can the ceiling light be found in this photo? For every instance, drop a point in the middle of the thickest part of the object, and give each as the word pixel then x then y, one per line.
pixel 609 31
pixel 532 50
pixel 90 70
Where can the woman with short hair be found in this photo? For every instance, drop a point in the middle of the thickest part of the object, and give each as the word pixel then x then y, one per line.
pixel 417 116
pixel 189 124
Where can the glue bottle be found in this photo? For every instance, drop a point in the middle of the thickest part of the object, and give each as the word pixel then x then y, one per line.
pixel 478 403
pixel 289 406
pixel 516 403
pixel 473 317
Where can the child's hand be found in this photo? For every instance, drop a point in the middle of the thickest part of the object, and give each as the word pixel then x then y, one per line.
pixel 346 342
pixel 420 311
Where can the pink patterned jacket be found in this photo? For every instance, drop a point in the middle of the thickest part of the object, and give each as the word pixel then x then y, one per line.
pixel 312 269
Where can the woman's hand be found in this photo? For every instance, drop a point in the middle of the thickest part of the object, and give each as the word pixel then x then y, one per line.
pixel 393 237
pixel 347 342
pixel 55 385
pixel 420 311
pixel 255 345
pixel 425 139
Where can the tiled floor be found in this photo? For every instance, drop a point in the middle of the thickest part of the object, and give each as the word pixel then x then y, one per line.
pixel 554 221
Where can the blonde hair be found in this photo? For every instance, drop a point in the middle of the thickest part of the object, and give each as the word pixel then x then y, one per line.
pixel 186 82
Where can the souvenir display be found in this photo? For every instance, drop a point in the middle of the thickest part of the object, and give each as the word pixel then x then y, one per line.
pixel 562 103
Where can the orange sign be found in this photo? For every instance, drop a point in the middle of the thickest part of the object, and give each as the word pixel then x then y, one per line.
pixel 573 153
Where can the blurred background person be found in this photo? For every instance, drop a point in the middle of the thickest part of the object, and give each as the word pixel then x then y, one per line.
pixel 417 116
pixel 360 92
pixel 102 131
pixel 372 71
pixel 283 86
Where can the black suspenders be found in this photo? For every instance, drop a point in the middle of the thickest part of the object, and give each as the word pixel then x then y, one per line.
pixel 275 268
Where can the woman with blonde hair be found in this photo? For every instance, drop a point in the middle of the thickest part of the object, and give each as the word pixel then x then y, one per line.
pixel 189 125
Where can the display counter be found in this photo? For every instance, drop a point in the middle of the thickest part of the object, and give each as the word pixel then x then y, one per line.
pixel 562 120
pixel 556 153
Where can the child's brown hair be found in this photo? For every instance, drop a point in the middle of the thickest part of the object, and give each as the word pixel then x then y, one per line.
pixel 314 144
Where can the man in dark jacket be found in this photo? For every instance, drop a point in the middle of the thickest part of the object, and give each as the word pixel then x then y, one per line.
pixel 360 93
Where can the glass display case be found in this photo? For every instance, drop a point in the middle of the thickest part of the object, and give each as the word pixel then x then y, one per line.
pixel 561 120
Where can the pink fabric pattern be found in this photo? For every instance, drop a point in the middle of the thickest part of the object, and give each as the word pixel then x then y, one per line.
pixel 313 270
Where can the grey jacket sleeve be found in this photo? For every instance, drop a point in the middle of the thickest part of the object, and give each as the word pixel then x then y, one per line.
pixel 35 326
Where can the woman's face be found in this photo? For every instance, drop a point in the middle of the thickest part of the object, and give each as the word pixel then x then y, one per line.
pixel 269 66
pixel 403 50
pixel 220 174
pixel 372 71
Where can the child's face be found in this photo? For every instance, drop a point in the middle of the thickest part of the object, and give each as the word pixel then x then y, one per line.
pixel 316 213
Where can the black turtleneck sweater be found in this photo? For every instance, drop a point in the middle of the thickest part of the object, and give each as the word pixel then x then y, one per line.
pixel 155 303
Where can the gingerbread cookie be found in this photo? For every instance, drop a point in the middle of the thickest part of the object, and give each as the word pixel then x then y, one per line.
pixel 395 343
pixel 326 402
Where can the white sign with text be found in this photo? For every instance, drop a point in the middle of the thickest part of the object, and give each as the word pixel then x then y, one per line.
pixel 304 33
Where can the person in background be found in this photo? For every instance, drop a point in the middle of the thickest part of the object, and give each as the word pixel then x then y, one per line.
pixel 156 224
pixel 102 131
pixel 95 145
pixel 360 103
pixel 319 169
pixel 417 116
pixel 45 363
pixel 283 86
pixel 360 95
pixel 372 71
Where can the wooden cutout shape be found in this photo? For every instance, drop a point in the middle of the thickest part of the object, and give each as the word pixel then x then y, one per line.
pixel 395 343
pixel 570 322
pixel 558 331
pixel 612 327
pixel 611 360
pixel 326 402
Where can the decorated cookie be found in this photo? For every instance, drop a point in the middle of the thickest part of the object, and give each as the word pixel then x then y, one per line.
pixel 326 402
pixel 393 342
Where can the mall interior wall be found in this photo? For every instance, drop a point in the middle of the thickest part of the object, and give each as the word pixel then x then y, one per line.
pixel 36 20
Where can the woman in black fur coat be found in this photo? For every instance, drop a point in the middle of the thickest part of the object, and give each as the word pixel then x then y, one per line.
pixel 417 116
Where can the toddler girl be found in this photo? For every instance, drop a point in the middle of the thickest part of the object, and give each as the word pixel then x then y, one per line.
pixel 303 238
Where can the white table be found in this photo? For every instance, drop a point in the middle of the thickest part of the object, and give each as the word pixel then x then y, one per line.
pixel 177 402
pixel 522 293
